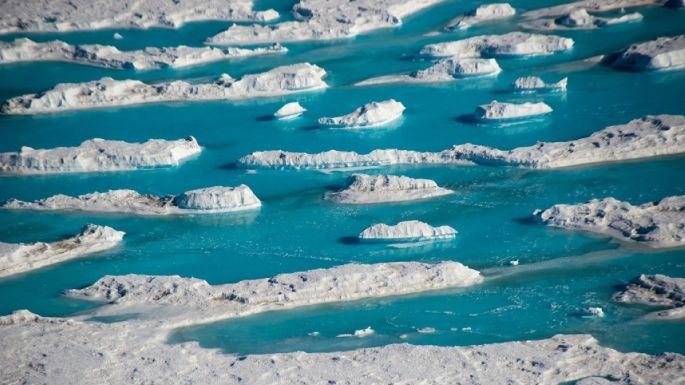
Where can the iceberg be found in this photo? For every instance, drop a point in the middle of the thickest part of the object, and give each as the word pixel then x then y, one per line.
pixel 535 84
pixel 18 258
pixel 25 50
pixel 80 15
pixel 108 92
pixel 594 6
pixel 510 44
pixel 407 231
pixel 99 155
pixel 579 19
pixel 484 13
pixel 217 199
pixel 663 53
pixel 656 290
pixel 501 111
pixel 656 224
pixel 289 111
pixel 370 115
pixel 441 71
pixel 367 189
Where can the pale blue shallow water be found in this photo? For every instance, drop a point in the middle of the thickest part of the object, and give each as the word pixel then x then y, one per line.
pixel 561 272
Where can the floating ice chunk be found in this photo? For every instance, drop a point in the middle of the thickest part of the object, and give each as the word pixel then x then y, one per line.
pixel 510 44
pixel 514 262
pixel 593 312
pixel 108 92
pixel 408 231
pixel 656 224
pixel 313 334
pixel 117 36
pixel 501 111
pixel 656 290
pixel 595 6
pixel 289 111
pixel 208 200
pixel 579 19
pixel 99 155
pixel 485 12
pixel 370 115
pixel 661 54
pixel 361 333
pixel 534 83
pixel 441 71
pixel 426 330
pixel 366 189
pixel 19 258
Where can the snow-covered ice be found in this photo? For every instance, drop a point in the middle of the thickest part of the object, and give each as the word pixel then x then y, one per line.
pixel 483 13
pixel 656 290
pixel 289 111
pixel 108 92
pixel 656 224
pixel 592 6
pixel 217 199
pixel 534 84
pixel 407 231
pixel 442 70
pixel 99 155
pixel 18 258
pixel 580 19
pixel 500 111
pixel 370 115
pixel 663 53
pixel 360 333
pixel 510 44
pixel 367 189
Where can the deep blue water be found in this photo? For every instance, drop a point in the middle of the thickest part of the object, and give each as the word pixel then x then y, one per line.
pixel 561 272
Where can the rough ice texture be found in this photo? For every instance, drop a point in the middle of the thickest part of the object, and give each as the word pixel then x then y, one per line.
pixel 20 258
pixel 657 224
pixel 580 19
pixel 510 44
pixel 501 111
pixel 24 50
pixel 594 6
pixel 441 71
pixel 366 189
pixel 108 92
pixel 77 15
pixel 201 201
pixel 99 155
pixel 325 20
pixel 373 114
pixel 656 290
pixel 407 231
pixel 485 12
pixel 534 83
pixel 289 111
pixel 640 138
pixel 661 54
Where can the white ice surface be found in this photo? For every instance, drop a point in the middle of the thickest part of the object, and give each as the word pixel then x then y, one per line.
pixel 407 231
pixel 509 44
pixel 501 111
pixel 370 115
pixel 367 189
pixel 483 13
pixel 656 290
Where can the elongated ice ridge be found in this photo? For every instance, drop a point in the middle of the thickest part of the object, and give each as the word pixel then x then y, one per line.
pixel 501 111
pixel 593 6
pixel 656 224
pixel 289 111
pixel 325 20
pixel 18 258
pixel 484 13
pixel 510 44
pixel 370 115
pixel 26 50
pixel 108 92
pixel 646 137
pixel 99 155
pixel 79 15
pixel 217 199
pixel 407 231
pixel 579 19
pixel 535 84
pixel 663 53
pixel 656 290
pixel 367 189
pixel 442 70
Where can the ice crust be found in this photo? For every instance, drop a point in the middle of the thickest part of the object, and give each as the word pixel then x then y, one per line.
pixel 510 44
pixel 656 290
pixel 580 19
pixel 663 53
pixel 18 258
pixel 99 155
pixel 500 111
pixel 289 111
pixel 535 84
pixel 370 115
pixel 367 189
pixel 656 224
pixel 442 70
pixel 407 231
pixel 484 13
pixel 207 200
pixel 108 92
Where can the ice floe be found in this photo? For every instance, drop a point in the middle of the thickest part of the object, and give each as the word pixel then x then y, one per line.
pixel 406 231
pixel 656 224
pixel 656 290
pixel 663 53
pixel 108 92
pixel 78 15
pixel 501 111
pixel 510 44
pixel 361 333
pixel 289 111
pixel 99 155
pixel 441 71
pixel 18 258
pixel 580 19
pixel 217 199
pixel 366 189
pixel 593 6
pixel 593 312
pixel 25 50
pixel 484 13
pixel 535 84
pixel 325 20
pixel 370 115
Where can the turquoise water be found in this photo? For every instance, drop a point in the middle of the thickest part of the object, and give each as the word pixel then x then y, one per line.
pixel 561 272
